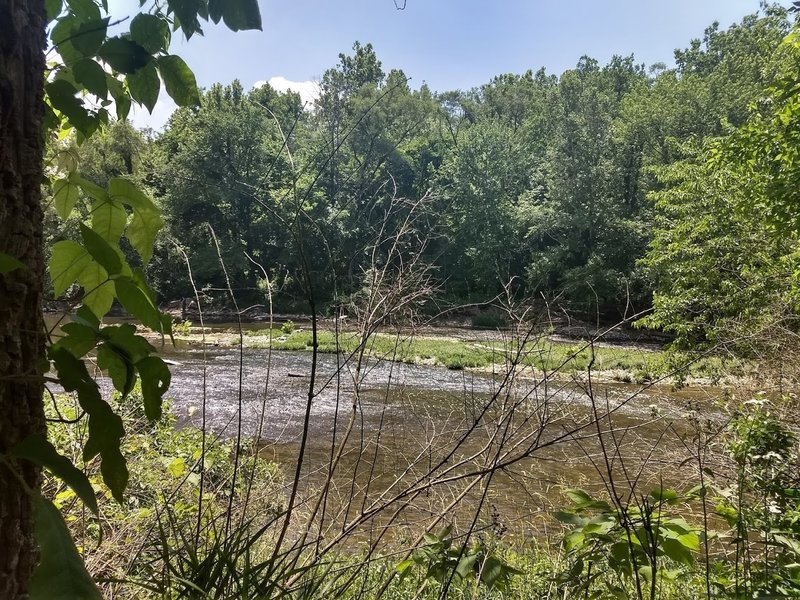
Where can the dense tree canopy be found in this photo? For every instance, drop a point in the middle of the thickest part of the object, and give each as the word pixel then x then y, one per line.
pixel 559 184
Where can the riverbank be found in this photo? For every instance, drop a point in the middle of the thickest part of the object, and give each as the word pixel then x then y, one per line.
pixel 485 351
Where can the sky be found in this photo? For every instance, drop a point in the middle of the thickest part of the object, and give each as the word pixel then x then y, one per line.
pixel 448 44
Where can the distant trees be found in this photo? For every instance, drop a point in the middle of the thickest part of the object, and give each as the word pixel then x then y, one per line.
pixel 223 165
pixel 552 181
pixel 725 250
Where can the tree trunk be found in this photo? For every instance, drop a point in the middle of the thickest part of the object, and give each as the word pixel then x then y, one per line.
pixel 22 64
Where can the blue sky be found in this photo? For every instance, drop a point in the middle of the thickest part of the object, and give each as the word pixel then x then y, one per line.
pixel 447 43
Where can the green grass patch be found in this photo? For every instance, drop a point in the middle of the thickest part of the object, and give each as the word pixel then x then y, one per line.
pixel 623 364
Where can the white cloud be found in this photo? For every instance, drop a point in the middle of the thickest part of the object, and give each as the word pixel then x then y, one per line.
pixel 308 90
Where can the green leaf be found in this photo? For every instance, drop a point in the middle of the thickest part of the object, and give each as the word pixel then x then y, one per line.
pixel 65 195
pixel 570 518
pixel 54 8
pixel 118 367
pixel 466 565
pixel 156 378
pixel 101 251
pixel 85 10
pixel 664 495
pixel 108 220
pixel 142 231
pixel 675 550
pixel 120 95
pixel 404 567
pixel 78 339
pixel 179 80
pixel 151 32
pixel 69 259
pixel 146 221
pixel 89 35
pixel 491 572
pixel 145 86
pixel 61 36
pixel 60 574
pixel 123 55
pixel 87 318
pixel 105 427
pixel 238 15
pixel 91 76
pixel 187 11
pixel 138 303
pixel 583 500
pixel 98 291
pixel 124 338
pixel 620 551
pixel 61 94
pixel 37 449
pixel 91 189
pixel 9 263
pixel 124 190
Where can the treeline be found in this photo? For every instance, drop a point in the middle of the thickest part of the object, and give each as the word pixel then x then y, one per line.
pixel 589 188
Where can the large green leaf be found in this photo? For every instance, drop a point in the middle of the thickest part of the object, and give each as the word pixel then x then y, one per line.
pixel 78 339
pixel 138 303
pixel 37 449
pixel 123 55
pixel 97 287
pixel 65 195
pixel 109 219
pixel 151 32
pixel 8 263
pixel 145 86
pixel 53 8
pixel 60 574
pixel 61 36
pixel 124 338
pixel 85 10
pixel 146 221
pixel 142 231
pixel 61 94
pixel 68 260
pixel 91 189
pixel 105 427
pixel 88 36
pixel 124 190
pixel 120 95
pixel 156 378
pixel 100 250
pixel 186 11
pixel 179 80
pixel 118 367
pixel 91 76
pixel 238 15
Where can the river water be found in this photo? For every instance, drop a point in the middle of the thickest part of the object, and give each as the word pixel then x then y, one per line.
pixel 412 423
pixel 423 435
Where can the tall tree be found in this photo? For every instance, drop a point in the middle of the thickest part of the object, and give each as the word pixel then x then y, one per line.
pixel 22 40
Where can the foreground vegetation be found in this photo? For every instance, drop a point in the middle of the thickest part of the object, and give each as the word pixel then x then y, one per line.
pixel 191 526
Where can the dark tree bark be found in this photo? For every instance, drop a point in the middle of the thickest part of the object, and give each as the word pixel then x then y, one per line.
pixel 22 64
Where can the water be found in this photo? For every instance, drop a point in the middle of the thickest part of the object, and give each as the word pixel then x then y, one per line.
pixel 421 423
pixel 425 435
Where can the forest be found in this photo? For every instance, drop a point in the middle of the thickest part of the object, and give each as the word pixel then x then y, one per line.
pixel 534 339
pixel 574 188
